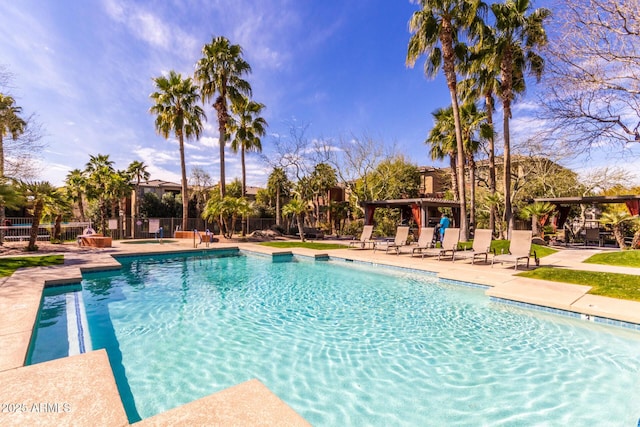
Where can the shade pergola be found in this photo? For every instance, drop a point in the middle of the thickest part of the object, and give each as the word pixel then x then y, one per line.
pixel 423 210
pixel 564 203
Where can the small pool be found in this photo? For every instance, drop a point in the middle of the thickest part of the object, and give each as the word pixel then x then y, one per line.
pixel 344 344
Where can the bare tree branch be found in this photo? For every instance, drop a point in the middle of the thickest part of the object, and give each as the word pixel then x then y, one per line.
pixel 593 73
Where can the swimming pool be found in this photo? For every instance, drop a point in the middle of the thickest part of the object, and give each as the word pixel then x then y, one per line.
pixel 348 344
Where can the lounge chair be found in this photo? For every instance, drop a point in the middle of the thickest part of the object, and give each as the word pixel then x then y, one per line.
pixel 448 247
pixel 519 249
pixel 402 234
pixel 365 238
pixel 481 246
pixel 425 241
pixel 592 235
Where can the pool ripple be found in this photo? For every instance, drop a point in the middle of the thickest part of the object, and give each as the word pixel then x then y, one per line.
pixel 355 346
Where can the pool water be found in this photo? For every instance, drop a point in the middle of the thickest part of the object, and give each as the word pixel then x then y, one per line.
pixel 353 345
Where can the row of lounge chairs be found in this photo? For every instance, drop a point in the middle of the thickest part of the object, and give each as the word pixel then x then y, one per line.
pixel 519 246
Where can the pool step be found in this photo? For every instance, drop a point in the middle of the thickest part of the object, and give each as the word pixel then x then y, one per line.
pixel 77 325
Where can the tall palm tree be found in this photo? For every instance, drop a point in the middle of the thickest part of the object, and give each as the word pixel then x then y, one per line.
pixel 247 128
pixel 517 36
pixel 75 184
pixel 278 184
pixel 99 172
pixel 322 179
pixel 443 22
pixel 177 112
pixel 138 171
pixel 442 141
pixel 38 195
pixel 473 124
pixel 220 71
pixel 484 83
pixel 11 124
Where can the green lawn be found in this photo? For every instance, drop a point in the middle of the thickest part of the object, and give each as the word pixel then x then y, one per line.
pixel 614 285
pixel 629 258
pixel 308 245
pixel 9 265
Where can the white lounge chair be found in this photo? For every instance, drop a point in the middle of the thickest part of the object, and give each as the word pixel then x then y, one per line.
pixel 365 238
pixel 425 240
pixel 449 244
pixel 481 246
pixel 402 234
pixel 519 249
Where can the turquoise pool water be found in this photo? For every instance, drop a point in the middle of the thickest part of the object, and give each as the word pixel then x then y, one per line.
pixel 352 345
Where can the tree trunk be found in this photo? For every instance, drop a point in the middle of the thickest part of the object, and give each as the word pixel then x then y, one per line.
pixel 278 220
pixel 472 191
pixel 299 220
pixel 446 40
pixel 492 161
pixel 183 170
pixel 221 108
pixel 243 224
pixel 617 232
pixel 506 72
pixel 35 226
pixel 57 229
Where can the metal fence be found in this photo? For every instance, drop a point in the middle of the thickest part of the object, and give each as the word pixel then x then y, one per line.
pixel 147 228
pixel 19 229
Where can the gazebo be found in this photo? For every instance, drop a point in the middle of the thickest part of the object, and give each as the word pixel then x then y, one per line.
pixel 424 211
pixel 564 204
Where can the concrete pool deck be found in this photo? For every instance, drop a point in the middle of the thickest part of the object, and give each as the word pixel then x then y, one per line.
pixel 81 390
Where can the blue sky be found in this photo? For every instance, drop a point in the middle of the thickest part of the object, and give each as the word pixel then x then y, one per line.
pixel 85 68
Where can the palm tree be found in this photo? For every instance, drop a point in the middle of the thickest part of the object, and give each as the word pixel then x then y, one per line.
pixel 322 179
pixel 177 112
pixel 11 124
pixel 60 206
pixel 229 208
pixel 75 184
pixel 442 140
pixel 616 219
pixel 38 195
pixel 220 71
pixel 473 123
pixel 247 130
pixel 537 212
pixel 99 172
pixel 138 171
pixel 118 188
pixel 483 82
pixel 297 208
pixel 279 185
pixel 442 22
pixel 517 35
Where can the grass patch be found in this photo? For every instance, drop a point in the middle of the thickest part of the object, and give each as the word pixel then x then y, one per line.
pixel 502 247
pixel 629 258
pixel 9 265
pixel 308 245
pixel 614 285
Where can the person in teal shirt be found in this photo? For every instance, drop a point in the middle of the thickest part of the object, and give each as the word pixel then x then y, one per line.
pixel 444 224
